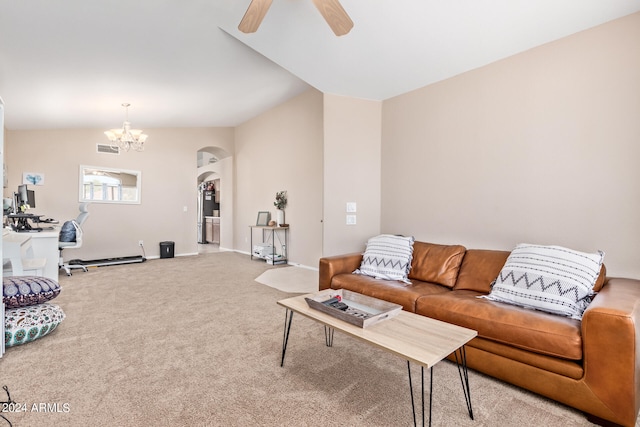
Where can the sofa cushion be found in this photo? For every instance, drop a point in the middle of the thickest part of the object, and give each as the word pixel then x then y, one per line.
pixel 523 328
pixel 387 257
pixel 393 291
pixel 548 278
pixel 21 291
pixel 479 269
pixel 567 368
pixel 436 263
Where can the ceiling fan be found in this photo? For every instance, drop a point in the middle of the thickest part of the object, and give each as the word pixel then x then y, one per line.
pixel 331 10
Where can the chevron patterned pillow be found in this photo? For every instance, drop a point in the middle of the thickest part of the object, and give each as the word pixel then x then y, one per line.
pixel 548 278
pixel 387 257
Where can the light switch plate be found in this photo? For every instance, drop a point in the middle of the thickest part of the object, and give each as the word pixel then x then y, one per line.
pixel 351 206
pixel 351 220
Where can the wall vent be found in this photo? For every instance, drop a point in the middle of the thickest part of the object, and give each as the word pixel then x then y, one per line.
pixel 108 149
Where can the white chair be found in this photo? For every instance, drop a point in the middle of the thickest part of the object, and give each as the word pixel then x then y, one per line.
pixel 77 224
pixel 17 257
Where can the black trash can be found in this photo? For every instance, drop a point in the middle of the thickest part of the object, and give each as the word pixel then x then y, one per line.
pixel 166 249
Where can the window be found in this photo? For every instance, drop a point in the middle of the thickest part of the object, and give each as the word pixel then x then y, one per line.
pixel 106 185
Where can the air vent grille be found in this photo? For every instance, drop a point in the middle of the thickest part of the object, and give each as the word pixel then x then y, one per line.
pixel 108 149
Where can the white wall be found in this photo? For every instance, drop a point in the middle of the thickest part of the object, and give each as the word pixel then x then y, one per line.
pixel 169 175
pixel 541 147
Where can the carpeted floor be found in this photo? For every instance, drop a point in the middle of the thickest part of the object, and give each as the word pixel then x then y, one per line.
pixel 196 341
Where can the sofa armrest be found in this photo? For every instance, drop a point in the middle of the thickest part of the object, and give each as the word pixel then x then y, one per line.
pixel 330 266
pixel 611 339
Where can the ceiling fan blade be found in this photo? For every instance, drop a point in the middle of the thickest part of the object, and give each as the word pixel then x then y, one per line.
pixel 335 15
pixel 254 15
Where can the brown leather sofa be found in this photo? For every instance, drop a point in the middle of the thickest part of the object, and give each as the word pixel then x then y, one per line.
pixel 592 365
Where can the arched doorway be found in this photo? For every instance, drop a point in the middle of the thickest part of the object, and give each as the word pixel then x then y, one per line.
pixel 215 207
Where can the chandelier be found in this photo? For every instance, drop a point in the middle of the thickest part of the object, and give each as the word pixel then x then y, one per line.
pixel 127 138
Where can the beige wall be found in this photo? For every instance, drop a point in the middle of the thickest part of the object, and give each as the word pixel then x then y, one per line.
pixel 328 152
pixel 542 147
pixel 352 144
pixel 282 150
pixel 169 177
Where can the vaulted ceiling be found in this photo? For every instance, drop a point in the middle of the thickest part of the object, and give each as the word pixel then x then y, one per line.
pixel 184 63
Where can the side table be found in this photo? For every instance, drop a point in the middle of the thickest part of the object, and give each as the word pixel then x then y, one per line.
pixel 267 249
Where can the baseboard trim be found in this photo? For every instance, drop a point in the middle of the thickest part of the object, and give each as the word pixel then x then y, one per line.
pixel 293 264
pixel 176 255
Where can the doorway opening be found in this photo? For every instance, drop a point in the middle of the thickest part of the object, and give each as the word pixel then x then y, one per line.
pixel 214 207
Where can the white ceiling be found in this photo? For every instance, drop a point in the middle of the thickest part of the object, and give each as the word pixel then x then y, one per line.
pixel 70 64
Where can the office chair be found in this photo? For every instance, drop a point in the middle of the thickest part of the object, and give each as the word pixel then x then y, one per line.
pixel 77 226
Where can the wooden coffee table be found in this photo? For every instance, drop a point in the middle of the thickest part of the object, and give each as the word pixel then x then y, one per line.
pixel 415 338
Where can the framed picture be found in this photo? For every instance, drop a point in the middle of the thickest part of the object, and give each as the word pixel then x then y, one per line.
pixel 263 218
pixel 33 178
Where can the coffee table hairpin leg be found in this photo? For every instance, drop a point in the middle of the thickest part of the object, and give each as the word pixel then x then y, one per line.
pixel 413 406
pixel 461 362
pixel 287 328
pixel 464 379
pixel 328 336
pixel 288 319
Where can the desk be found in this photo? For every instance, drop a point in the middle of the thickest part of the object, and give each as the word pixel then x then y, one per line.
pixel 45 245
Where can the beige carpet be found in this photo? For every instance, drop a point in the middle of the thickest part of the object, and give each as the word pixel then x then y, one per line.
pixel 290 279
pixel 196 341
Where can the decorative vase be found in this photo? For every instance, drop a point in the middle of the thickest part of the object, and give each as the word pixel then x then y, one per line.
pixel 280 217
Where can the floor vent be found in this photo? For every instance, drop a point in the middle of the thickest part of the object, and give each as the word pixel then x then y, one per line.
pixel 108 149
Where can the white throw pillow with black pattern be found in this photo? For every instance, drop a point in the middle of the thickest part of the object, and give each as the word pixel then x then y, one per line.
pixel 548 278
pixel 387 257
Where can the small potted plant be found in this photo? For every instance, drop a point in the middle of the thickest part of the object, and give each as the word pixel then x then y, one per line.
pixel 280 204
